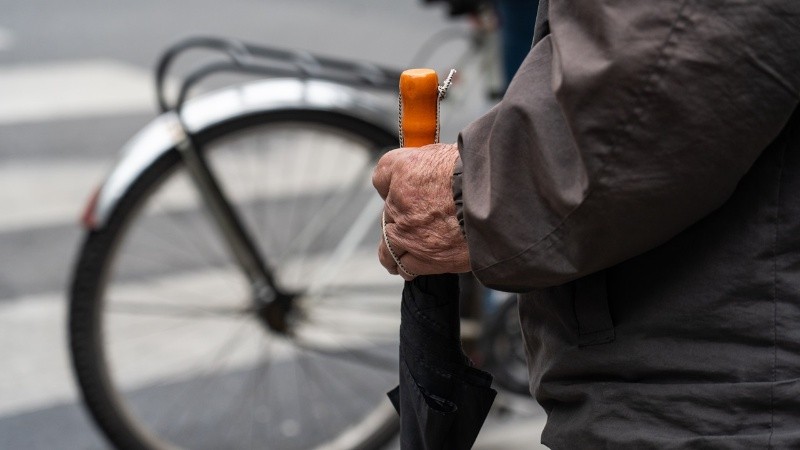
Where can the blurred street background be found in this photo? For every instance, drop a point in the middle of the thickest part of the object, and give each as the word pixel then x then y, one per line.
pixel 75 84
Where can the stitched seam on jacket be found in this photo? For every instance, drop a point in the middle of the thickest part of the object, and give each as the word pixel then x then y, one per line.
pixel 775 301
pixel 625 126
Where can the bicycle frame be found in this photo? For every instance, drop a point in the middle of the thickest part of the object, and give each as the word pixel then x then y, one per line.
pixel 318 84
pixel 166 132
pixel 304 82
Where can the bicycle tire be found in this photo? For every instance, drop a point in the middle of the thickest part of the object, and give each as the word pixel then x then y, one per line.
pixel 504 347
pixel 117 410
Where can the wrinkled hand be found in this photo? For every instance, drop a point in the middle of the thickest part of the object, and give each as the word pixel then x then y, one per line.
pixel 421 221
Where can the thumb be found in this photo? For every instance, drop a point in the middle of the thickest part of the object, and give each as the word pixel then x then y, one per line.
pixel 382 176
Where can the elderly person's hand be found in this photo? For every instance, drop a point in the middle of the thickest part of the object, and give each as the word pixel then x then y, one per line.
pixel 421 223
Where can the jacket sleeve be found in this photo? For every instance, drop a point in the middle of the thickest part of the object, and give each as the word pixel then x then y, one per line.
pixel 626 124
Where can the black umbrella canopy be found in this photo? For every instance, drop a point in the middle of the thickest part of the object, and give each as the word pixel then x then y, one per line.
pixel 442 400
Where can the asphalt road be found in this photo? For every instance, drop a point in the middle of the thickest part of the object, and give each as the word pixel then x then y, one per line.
pixel 75 84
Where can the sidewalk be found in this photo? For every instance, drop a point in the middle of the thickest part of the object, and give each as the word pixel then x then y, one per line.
pixel 506 432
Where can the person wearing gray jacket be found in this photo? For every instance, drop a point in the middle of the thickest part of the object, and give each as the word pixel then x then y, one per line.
pixel 639 185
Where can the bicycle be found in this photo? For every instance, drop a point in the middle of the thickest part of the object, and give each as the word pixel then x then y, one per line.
pixel 251 283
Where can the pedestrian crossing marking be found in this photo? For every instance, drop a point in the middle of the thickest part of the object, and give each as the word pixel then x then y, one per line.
pixel 73 89
pixel 60 189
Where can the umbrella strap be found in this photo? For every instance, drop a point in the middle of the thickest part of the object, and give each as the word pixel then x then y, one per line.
pixel 391 249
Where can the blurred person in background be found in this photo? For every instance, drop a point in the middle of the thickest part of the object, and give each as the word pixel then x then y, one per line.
pixel 516 31
pixel 516 17
pixel 638 185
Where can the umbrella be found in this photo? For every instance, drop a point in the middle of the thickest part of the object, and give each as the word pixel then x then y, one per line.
pixel 442 399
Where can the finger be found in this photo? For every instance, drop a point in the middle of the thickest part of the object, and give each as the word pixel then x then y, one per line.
pixel 386 258
pixel 382 176
pixel 407 276
pixel 395 238
pixel 417 266
pixel 399 253
pixel 406 273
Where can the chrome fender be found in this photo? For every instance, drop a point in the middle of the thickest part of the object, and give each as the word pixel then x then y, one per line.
pixel 165 132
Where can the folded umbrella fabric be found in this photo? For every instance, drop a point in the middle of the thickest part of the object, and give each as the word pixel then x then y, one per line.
pixel 442 399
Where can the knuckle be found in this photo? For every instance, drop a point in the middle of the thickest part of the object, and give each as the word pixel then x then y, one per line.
pixel 378 177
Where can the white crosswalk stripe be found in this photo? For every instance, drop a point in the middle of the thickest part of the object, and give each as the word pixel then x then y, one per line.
pixel 36 371
pixel 72 89
pixel 60 190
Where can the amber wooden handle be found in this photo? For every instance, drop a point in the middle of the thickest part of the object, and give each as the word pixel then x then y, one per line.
pixel 419 97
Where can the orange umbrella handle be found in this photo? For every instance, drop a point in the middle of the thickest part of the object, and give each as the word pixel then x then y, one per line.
pixel 419 107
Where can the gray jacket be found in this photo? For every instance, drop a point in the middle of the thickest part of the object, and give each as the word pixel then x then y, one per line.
pixel 640 184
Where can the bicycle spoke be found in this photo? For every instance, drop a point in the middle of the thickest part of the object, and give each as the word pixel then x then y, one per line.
pixel 355 356
pixel 216 262
pixel 364 289
pixel 256 397
pixel 160 209
pixel 175 310
pixel 370 337
pixel 183 322
pixel 204 377
pixel 344 388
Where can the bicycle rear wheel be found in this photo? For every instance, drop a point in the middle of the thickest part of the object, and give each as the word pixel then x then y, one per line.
pixel 168 345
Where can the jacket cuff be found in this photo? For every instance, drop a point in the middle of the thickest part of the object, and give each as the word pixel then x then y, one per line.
pixel 457 194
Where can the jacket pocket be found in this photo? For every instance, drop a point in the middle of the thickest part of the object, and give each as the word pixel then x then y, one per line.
pixel 592 311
